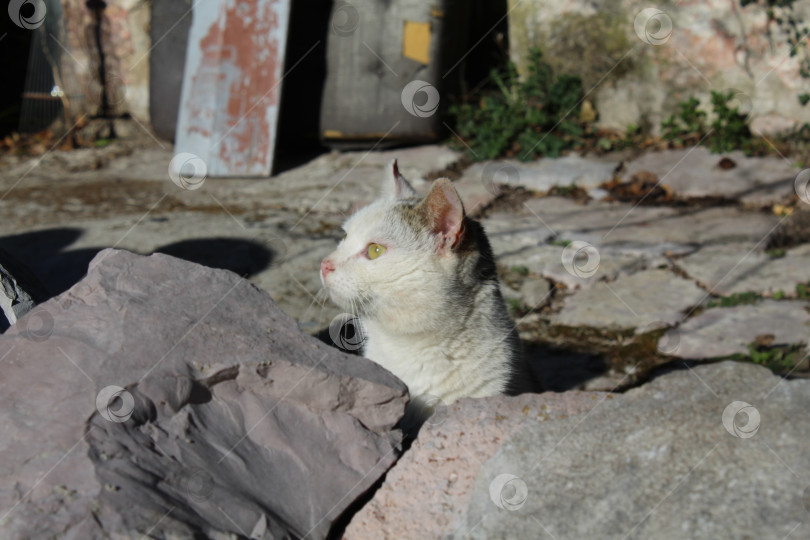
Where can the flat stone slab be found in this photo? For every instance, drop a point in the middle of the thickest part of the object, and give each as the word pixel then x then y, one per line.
pixel 538 238
pixel 626 238
pixel 135 181
pixel 720 332
pixel 337 182
pixel 639 300
pixel 543 174
pixel 694 172
pixel 739 268
pixel 563 214
pixel 692 226
pixel 229 420
pixel 427 492
pixel 716 452
pixel 548 261
pixel 603 222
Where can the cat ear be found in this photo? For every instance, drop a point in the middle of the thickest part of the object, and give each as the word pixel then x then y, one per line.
pixel 394 185
pixel 445 212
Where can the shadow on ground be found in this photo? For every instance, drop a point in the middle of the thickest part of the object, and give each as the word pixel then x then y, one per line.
pixel 559 370
pixel 44 253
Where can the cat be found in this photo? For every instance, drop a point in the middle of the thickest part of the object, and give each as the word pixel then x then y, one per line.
pixel 421 277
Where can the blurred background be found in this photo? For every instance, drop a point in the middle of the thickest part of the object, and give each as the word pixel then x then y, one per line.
pixel 334 72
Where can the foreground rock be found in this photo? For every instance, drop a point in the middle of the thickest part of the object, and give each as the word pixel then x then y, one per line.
pixel 425 495
pixel 222 419
pixel 718 452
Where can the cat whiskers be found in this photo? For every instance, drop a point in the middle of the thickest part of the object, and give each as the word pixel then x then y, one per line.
pixel 320 297
pixel 360 305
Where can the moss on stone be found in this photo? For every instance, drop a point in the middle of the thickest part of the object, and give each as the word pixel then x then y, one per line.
pixel 591 45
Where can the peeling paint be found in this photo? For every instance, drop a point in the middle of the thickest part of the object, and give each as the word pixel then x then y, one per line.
pixel 231 86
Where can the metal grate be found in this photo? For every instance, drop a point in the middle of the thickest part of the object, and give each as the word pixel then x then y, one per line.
pixel 42 98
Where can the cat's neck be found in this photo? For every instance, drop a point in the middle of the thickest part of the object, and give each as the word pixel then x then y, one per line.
pixel 431 314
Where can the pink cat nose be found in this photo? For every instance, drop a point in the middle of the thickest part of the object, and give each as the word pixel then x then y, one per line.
pixel 326 267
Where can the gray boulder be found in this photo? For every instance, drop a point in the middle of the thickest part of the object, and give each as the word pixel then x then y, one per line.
pixel 159 397
pixel 716 452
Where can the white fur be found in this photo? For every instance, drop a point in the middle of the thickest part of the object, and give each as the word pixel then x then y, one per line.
pixel 440 339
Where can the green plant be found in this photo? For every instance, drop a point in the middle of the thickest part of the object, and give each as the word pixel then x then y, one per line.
pixel 561 242
pixel 779 358
pixel 689 121
pixel 803 291
pixel 729 129
pixel 517 308
pixel 736 299
pixel 776 253
pixel 520 270
pixel 567 191
pixel 730 126
pixel 535 116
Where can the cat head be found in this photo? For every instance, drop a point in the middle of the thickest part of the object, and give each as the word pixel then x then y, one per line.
pixel 400 256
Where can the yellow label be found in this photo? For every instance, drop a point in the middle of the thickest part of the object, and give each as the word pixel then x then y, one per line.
pixel 332 134
pixel 416 41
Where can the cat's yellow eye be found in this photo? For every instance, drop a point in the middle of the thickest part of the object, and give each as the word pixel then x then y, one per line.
pixel 375 250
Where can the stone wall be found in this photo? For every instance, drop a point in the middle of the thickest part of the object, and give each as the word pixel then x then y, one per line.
pixel 126 45
pixel 641 58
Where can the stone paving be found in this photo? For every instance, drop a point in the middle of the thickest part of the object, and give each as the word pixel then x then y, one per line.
pixel 634 284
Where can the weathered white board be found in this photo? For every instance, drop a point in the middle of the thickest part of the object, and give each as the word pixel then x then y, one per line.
pixel 229 105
